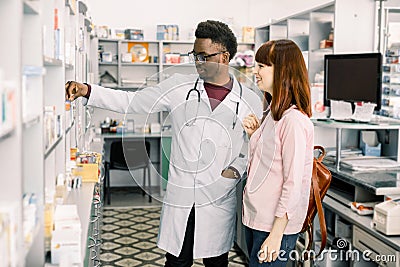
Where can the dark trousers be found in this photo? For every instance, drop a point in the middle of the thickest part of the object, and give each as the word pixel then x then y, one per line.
pixel 185 258
pixel 254 240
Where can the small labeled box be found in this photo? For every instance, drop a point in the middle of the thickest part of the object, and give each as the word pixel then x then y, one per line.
pixel 134 34
pixel 66 244
pixel 369 143
pixel 325 44
pixel 248 34
pixel 89 171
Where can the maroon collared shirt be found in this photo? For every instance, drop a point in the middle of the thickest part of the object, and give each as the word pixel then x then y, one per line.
pixel 217 93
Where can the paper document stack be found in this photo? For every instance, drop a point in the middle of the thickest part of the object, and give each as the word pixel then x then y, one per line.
pixel 369 163
pixel 344 153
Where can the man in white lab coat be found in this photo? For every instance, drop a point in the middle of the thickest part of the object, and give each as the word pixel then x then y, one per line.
pixel 208 153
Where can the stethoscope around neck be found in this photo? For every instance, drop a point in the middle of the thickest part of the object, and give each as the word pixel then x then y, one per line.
pixel 192 122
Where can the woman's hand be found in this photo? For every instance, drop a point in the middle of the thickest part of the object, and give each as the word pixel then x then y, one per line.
pixel 270 249
pixel 73 90
pixel 251 124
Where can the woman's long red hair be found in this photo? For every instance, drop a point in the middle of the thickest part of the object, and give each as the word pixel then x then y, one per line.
pixel 291 86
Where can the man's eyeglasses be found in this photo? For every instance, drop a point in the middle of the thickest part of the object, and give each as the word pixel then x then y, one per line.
pixel 201 58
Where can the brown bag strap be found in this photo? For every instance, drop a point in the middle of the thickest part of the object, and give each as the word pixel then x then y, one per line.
pixel 323 153
pixel 320 211
pixel 310 237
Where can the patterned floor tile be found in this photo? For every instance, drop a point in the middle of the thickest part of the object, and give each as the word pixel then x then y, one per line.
pixel 141 227
pixel 139 219
pixel 153 230
pixel 109 236
pixel 128 263
pixel 153 215
pixel 138 212
pixel 124 223
pixel 125 231
pixel 127 251
pixel 110 227
pixel 154 222
pixel 143 235
pixel 147 256
pixel 126 240
pixel 109 257
pixel 160 261
pixel 124 216
pixel 110 246
pixel 144 245
pixel 109 219
pixel 109 213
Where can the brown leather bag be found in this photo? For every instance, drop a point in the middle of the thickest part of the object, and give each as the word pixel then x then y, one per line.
pixel 321 180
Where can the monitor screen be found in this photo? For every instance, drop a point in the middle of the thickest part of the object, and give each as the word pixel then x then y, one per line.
pixel 353 78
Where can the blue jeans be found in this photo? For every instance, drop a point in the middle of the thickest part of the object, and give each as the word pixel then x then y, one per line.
pixel 254 240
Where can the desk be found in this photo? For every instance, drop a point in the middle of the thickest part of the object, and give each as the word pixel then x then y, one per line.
pixel 377 182
pixel 160 148
pixel 370 184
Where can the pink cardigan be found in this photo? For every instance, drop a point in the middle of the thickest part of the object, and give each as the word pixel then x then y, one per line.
pixel 279 172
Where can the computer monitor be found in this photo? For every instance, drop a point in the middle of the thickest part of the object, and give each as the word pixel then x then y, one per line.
pixel 353 78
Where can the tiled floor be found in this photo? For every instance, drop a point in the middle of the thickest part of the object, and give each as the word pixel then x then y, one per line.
pixel 129 232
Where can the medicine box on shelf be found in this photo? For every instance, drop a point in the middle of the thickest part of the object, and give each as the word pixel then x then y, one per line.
pixel 369 143
pixel 89 171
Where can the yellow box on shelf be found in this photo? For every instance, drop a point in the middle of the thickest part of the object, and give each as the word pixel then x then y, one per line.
pixel 88 171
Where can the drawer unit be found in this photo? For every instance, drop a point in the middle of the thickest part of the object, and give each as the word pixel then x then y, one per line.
pixel 382 253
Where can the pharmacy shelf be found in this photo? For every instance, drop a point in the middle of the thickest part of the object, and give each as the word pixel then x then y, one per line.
pixel 140 41
pixel 140 64
pixel 36 49
pixel 31 121
pixel 52 147
pixel 176 42
pixel 35 233
pixel 179 64
pixel 83 198
pixel 323 50
pixel 108 63
pixel 6 133
pixel 31 7
pixel 47 61
pixel 72 6
pixel 69 66
pixel 69 127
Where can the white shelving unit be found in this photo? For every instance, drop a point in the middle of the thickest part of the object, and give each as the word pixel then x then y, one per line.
pixel 36 62
pixel 343 18
pixel 143 71
pixel 391 64
pixel 309 27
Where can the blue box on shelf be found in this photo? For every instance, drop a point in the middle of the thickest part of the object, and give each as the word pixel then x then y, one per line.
pixel 369 143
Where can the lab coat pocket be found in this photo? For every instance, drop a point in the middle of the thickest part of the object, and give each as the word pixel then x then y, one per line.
pixel 226 199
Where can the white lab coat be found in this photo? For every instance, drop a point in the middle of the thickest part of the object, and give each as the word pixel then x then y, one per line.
pixel 199 153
